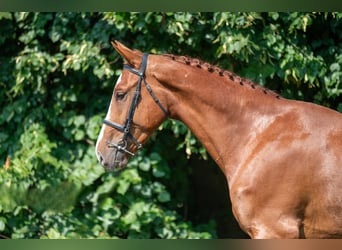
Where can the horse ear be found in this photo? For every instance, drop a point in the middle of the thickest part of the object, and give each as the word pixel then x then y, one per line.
pixel 132 57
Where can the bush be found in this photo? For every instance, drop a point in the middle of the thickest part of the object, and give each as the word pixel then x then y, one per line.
pixel 56 74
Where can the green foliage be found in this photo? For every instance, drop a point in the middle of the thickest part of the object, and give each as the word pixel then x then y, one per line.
pixel 56 77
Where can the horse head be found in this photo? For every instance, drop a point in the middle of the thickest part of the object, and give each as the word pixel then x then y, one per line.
pixel 137 108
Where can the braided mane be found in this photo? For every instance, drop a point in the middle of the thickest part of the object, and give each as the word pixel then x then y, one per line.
pixel 194 62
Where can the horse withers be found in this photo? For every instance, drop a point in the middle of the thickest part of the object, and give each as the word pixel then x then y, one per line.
pixel 282 158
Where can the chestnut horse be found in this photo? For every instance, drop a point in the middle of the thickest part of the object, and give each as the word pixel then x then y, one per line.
pixel 282 158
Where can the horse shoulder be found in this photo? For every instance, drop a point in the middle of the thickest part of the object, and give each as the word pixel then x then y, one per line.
pixel 291 176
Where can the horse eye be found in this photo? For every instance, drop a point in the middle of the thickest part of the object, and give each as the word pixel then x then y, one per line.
pixel 119 96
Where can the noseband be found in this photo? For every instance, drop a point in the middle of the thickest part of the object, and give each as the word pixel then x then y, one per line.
pixel 125 128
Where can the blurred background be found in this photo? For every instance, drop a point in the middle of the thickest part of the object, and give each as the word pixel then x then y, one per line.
pixel 57 74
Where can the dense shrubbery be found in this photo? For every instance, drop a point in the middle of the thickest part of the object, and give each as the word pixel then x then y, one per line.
pixel 56 77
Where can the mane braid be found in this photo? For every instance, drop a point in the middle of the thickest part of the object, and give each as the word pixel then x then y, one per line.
pixel 221 72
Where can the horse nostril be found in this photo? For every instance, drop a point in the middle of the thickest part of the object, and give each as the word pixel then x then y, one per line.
pixel 105 165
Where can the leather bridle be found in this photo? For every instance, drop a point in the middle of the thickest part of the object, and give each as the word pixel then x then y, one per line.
pixel 125 128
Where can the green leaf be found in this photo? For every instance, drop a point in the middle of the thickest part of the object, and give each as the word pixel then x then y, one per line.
pixel 164 196
pixel 2 224
pixel 335 67
pixel 79 135
pixel 123 186
pixel 155 158
pixel 130 217
pixel 79 120
pixel 158 172
pixel 145 165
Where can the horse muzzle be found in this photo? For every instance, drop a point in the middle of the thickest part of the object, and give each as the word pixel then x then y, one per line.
pixel 114 158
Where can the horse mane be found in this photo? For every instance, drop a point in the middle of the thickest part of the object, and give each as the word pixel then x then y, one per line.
pixel 194 62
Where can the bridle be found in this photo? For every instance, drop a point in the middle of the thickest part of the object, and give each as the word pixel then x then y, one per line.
pixel 125 128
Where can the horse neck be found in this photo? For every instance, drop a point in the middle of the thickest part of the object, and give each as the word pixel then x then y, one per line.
pixel 223 114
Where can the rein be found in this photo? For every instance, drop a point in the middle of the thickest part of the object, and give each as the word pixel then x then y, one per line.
pixel 125 128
